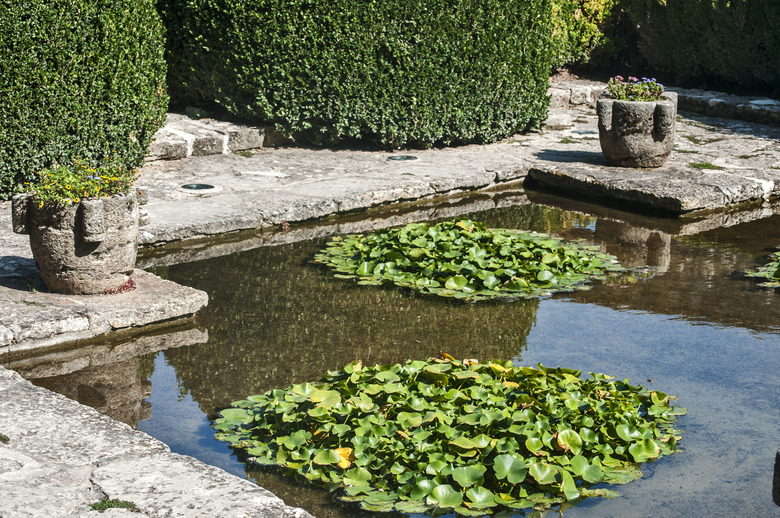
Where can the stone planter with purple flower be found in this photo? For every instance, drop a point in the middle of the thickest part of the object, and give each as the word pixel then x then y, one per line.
pixel 636 121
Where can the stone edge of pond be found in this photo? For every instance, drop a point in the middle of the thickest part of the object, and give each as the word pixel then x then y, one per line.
pixel 36 319
pixel 59 457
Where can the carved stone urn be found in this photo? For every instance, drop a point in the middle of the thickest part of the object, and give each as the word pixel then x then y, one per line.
pixel 636 133
pixel 85 248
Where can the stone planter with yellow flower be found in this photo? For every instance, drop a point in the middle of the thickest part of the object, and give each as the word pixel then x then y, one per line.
pixel 83 227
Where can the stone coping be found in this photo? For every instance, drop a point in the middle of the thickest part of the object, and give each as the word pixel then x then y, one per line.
pixel 61 457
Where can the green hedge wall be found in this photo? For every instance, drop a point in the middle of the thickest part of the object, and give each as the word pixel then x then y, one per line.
pixel 712 43
pixel 78 78
pixel 401 72
pixel 578 28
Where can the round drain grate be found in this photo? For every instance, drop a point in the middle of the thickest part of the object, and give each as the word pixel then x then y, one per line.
pixel 197 186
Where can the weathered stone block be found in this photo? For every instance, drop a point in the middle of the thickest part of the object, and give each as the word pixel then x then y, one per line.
pixel 636 133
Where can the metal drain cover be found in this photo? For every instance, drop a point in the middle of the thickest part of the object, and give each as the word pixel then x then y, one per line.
pixel 197 186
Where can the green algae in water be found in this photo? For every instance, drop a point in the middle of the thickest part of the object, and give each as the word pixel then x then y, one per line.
pixel 465 260
pixel 467 436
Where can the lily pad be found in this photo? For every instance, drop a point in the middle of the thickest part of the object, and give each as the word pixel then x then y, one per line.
pixel 465 260
pixel 467 437
pixel 770 272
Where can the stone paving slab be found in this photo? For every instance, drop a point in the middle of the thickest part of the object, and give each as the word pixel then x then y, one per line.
pixel 740 163
pixel 31 319
pixel 295 184
pixel 184 136
pixel 718 104
pixel 61 457
pixel 715 164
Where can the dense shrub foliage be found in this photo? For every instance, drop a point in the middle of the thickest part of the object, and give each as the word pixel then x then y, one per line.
pixel 711 42
pixel 577 28
pixel 78 78
pixel 399 71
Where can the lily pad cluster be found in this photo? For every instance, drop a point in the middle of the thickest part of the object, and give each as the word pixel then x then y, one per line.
pixel 465 436
pixel 465 260
pixel 770 272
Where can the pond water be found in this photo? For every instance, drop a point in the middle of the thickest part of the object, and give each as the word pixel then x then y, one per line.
pixel 695 328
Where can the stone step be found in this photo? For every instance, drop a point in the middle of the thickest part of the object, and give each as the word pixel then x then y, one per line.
pixel 183 137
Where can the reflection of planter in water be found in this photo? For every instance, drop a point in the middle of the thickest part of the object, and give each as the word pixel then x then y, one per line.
pixel 637 133
pixel 86 248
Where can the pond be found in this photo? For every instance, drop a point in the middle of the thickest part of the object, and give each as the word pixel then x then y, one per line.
pixel 694 327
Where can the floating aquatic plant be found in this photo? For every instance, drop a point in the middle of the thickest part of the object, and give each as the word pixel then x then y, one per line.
pixel 463 259
pixel 770 272
pixel 467 436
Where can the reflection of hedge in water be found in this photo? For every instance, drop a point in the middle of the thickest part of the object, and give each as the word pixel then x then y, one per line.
pixel 274 319
pixel 531 216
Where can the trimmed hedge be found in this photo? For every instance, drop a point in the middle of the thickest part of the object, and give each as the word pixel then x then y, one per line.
pixel 401 72
pixel 78 78
pixel 712 43
pixel 578 28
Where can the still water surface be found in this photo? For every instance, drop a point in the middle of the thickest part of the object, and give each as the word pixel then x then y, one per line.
pixel 695 328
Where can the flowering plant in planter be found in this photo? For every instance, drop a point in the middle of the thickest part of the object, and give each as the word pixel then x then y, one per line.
pixel 636 122
pixel 635 89
pixel 67 185
pixel 83 226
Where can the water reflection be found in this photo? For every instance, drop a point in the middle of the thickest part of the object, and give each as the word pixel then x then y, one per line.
pixel 112 377
pixel 277 320
pixel 697 269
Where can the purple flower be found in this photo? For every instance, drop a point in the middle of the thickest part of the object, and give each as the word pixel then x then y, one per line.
pixel 634 79
pixel 619 78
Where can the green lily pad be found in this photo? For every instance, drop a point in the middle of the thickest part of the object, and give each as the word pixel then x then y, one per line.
pixel 467 476
pixel 465 260
pixel 510 467
pixel 470 438
pixel 770 272
pixel 444 495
